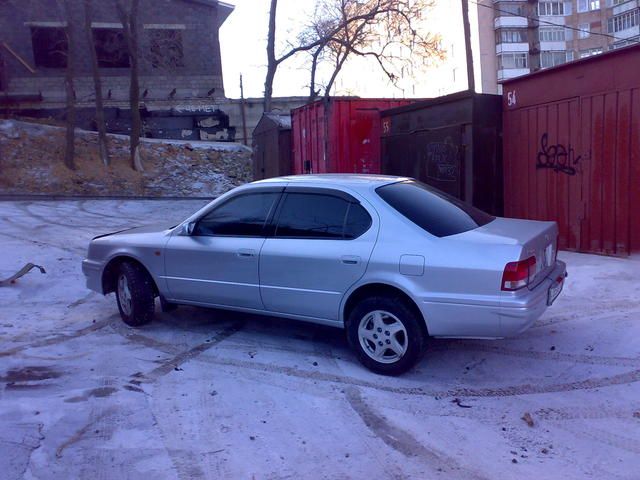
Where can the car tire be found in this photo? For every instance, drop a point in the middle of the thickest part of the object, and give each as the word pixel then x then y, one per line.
pixel 135 294
pixel 387 335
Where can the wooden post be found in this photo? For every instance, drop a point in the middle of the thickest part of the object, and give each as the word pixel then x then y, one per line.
pixel 244 118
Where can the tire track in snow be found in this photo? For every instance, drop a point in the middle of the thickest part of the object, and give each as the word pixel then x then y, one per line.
pixel 73 251
pixel 56 214
pixel 45 342
pixel 538 355
pixel 401 440
pixel 174 362
pixel 488 392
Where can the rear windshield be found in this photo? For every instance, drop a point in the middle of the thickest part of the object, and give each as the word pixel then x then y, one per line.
pixel 434 211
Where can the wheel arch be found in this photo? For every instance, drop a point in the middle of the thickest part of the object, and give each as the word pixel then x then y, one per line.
pixel 380 289
pixel 110 272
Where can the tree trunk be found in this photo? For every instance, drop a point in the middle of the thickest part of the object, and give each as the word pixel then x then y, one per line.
pixel 136 121
pixel 334 75
pixel 103 146
pixel 471 81
pixel 272 65
pixel 130 29
pixel 313 94
pixel 70 147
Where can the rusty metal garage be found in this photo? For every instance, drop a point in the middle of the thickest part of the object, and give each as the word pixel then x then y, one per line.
pixel 572 151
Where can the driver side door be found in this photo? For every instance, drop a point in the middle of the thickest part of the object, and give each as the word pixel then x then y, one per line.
pixel 217 264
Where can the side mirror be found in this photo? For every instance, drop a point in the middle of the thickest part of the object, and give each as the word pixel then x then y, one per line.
pixel 191 226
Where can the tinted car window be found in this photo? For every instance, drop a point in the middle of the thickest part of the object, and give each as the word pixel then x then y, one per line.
pixel 311 215
pixel 358 221
pixel 245 215
pixel 434 211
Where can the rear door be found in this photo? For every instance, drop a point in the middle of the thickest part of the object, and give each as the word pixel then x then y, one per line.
pixel 321 244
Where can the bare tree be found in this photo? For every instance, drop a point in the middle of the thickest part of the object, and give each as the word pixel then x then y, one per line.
pixel 384 30
pixel 129 20
pixel 387 31
pixel 274 61
pixel 70 120
pixel 103 146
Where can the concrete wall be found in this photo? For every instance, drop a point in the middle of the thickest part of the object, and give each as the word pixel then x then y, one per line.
pixel 253 112
pixel 199 78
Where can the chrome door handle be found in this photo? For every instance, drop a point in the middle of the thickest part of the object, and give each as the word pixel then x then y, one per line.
pixel 246 252
pixel 350 259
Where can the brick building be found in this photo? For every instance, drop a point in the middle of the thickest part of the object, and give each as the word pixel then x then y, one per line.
pixel 179 51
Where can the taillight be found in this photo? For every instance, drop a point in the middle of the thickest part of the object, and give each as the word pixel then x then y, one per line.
pixel 518 274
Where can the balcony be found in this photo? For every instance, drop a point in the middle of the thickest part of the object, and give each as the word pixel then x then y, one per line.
pixel 625 7
pixel 507 73
pixel 553 46
pixel 509 21
pixel 628 33
pixel 512 47
pixel 556 19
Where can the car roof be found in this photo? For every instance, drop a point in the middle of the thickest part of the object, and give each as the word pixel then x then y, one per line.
pixel 335 179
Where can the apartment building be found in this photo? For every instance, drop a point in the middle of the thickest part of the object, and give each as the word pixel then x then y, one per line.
pixel 531 35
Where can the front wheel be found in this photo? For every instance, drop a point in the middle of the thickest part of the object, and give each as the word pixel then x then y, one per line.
pixel 386 335
pixel 135 295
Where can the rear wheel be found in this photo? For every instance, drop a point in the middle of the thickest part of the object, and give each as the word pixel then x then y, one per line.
pixel 386 335
pixel 135 295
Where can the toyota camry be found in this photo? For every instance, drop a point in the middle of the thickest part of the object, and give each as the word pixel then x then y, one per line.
pixel 390 260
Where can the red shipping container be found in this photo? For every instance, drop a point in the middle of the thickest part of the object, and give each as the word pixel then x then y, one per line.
pixel 341 135
pixel 571 140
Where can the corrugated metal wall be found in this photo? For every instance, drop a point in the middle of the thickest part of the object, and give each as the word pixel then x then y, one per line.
pixel 452 143
pixel 351 127
pixel 576 160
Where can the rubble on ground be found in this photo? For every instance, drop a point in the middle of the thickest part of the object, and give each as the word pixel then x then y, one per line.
pixel 31 162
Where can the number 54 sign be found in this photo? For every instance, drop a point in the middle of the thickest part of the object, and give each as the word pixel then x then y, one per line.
pixel 511 98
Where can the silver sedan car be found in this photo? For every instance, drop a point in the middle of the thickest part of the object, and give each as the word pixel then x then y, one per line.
pixel 389 259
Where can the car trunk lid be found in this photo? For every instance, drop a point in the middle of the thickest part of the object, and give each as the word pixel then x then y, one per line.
pixel 535 238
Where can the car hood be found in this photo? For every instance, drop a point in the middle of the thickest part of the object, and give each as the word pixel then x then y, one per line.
pixel 153 228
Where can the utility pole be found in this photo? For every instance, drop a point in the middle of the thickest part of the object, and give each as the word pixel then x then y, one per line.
pixel 244 118
pixel 471 82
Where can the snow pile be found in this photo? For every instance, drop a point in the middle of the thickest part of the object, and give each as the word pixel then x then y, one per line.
pixel 31 162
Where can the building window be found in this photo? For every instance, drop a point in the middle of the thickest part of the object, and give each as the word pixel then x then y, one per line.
pixel 513 60
pixel 111 48
pixel 551 8
pixel 165 49
pixel 511 9
pixel 584 30
pixel 623 21
pixel 588 5
pixel 551 59
pixel 552 34
pixel 512 36
pixel 50 47
pixel 590 52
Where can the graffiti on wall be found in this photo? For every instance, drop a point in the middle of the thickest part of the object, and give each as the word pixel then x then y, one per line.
pixel 442 162
pixel 557 157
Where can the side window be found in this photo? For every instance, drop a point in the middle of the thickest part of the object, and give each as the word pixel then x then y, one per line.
pixel 358 222
pixel 243 216
pixel 312 215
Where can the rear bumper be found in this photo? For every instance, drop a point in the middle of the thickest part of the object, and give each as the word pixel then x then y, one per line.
pixel 520 311
pixel 493 316
pixel 93 272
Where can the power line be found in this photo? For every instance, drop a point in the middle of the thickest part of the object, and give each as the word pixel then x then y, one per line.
pixel 551 23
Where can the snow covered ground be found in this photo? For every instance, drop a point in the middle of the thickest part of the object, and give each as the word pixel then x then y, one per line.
pixel 209 394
